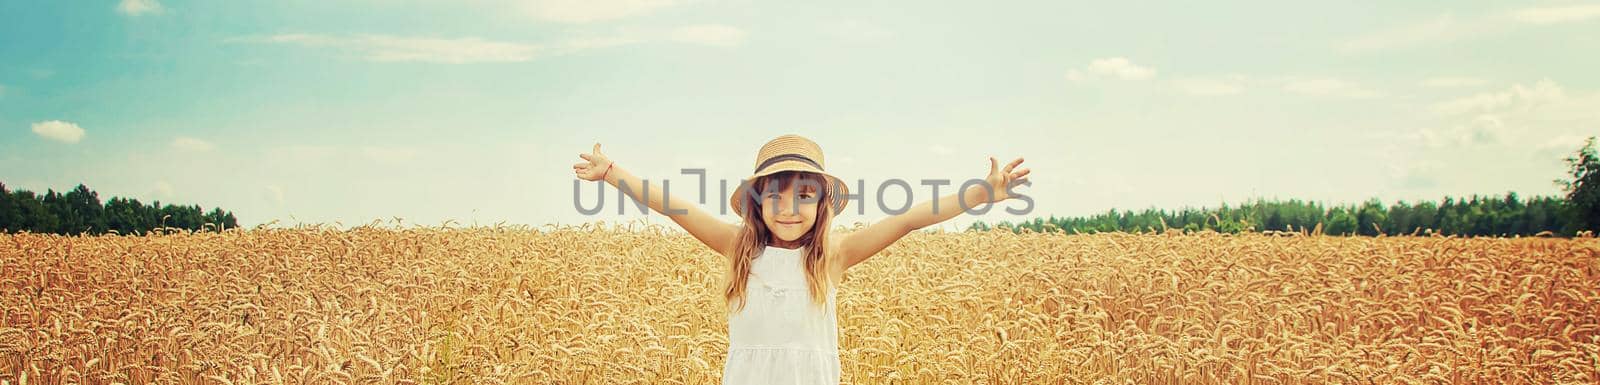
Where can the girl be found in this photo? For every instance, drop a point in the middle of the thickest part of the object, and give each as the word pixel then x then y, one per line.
pixel 782 251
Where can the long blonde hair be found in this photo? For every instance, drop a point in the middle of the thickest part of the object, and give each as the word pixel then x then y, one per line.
pixel 754 237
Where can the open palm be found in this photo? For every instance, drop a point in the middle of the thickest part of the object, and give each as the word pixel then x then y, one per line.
pixel 1002 179
pixel 594 165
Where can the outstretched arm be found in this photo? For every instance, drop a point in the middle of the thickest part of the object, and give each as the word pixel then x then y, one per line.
pixel 699 223
pixel 863 244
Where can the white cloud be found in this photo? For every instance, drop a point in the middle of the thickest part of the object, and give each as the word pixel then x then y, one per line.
pixel 1331 87
pixel 383 48
pixel 191 144
pixel 465 50
pixel 1484 152
pixel 1111 67
pixel 1453 81
pixel 1479 102
pixel 1560 146
pixel 297 38
pixel 584 11
pixel 709 34
pixel 410 49
pixel 1316 86
pixel 1521 117
pixel 1440 28
pixel 1557 14
pixel 389 155
pixel 302 154
pixel 856 31
pixel 1518 96
pixel 138 7
pixel 579 44
pixel 65 132
pixel 1483 129
pixel 1448 27
pixel 1212 86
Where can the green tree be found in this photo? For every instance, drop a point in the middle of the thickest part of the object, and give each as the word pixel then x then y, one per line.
pixel 84 205
pixel 1340 222
pixel 127 216
pixel 61 211
pixel 1401 219
pixel 8 210
pixel 1370 217
pixel 1583 191
pixel 31 213
pixel 79 211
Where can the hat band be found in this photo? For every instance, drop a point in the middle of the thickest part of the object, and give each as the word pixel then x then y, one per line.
pixel 780 158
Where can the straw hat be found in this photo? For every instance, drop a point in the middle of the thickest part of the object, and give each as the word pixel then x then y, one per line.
pixel 789 153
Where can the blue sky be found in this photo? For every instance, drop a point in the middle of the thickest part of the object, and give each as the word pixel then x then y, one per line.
pixel 350 111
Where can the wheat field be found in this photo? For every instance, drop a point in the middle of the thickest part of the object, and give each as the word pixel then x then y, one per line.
pixel 615 305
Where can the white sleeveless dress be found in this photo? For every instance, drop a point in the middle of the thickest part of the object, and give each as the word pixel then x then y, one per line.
pixel 780 337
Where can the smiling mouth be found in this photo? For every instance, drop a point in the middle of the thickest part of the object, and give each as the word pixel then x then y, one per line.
pixel 788 223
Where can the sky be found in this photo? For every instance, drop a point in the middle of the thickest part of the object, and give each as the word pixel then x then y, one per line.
pixel 347 112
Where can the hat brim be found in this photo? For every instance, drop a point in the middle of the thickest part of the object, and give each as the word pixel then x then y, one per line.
pixel 791 165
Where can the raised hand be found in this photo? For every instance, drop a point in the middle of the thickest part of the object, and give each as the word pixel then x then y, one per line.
pixel 1002 179
pixel 594 165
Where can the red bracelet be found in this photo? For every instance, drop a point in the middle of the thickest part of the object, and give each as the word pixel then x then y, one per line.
pixel 608 170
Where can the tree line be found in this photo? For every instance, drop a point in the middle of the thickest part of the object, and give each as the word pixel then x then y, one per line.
pixel 1509 215
pixel 1470 216
pixel 80 211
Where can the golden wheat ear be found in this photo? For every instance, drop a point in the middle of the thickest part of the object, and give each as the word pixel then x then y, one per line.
pixel 592 303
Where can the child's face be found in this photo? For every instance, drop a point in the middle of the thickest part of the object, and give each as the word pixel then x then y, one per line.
pixel 790 213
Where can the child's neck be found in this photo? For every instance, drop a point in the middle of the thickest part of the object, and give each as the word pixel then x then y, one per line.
pixel 779 243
